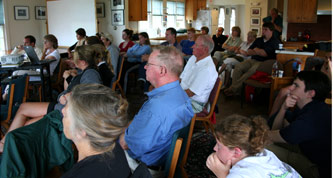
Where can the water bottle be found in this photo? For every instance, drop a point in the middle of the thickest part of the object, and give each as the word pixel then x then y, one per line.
pixel 275 69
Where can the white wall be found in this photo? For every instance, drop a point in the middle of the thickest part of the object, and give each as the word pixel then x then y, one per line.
pixel 16 30
pixel 105 24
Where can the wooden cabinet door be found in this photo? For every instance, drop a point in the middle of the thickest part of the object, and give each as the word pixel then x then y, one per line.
pixel 134 10
pixel 201 4
pixel 309 14
pixel 144 11
pixel 191 7
pixel 295 11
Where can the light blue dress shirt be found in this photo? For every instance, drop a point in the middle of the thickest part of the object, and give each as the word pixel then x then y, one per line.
pixel 135 52
pixel 149 136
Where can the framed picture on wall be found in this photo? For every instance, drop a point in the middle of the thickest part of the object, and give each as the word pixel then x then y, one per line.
pixel 257 30
pixel 21 12
pixel 255 11
pixel 117 17
pixel 255 21
pixel 117 4
pixel 40 12
pixel 100 10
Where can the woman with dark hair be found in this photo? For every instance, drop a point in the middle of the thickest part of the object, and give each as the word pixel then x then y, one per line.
pixel 85 58
pixel 94 118
pixel 127 43
pixel 138 54
pixel 80 36
pixel 240 150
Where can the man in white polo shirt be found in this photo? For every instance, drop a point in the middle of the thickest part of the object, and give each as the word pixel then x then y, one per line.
pixel 199 75
pixel 29 40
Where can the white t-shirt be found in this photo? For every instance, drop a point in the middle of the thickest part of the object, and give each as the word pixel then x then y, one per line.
pixel 54 64
pixel 245 46
pixel 263 165
pixel 37 50
pixel 199 77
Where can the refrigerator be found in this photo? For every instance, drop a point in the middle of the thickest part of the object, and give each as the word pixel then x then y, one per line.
pixel 207 18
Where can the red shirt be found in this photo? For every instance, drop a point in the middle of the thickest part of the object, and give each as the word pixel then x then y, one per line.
pixel 129 44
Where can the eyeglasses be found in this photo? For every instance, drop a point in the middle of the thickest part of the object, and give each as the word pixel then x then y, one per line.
pixel 151 64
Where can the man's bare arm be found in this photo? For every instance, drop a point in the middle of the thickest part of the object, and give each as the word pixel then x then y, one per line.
pixel 189 93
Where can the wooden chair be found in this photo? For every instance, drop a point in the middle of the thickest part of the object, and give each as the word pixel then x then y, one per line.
pixel 176 151
pixel 176 159
pixel 204 115
pixel 117 82
pixel 59 82
pixel 18 89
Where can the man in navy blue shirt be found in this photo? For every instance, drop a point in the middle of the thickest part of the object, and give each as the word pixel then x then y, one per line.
pixel 262 49
pixel 170 36
pixel 308 126
pixel 168 109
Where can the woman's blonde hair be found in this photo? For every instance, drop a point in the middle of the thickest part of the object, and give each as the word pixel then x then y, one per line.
pixel 92 54
pixel 249 134
pixel 51 38
pixel 100 112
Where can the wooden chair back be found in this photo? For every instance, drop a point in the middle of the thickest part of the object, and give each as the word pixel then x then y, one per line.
pixel 117 82
pixel 175 156
pixel 214 95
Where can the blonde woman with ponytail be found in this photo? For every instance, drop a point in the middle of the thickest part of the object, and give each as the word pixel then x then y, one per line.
pixel 94 117
pixel 85 58
pixel 240 150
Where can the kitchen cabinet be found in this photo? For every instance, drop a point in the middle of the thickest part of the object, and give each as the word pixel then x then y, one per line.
pixel 192 7
pixel 137 10
pixel 302 11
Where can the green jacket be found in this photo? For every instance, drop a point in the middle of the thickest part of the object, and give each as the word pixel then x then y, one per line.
pixel 33 150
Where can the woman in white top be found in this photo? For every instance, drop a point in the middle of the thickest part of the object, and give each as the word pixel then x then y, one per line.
pixel 240 150
pixel 50 51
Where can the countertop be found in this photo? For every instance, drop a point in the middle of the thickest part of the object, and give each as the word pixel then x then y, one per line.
pixel 286 51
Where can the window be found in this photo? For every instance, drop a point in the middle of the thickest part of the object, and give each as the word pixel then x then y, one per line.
pixel 232 19
pixel 156 25
pixel 2 39
pixel 221 17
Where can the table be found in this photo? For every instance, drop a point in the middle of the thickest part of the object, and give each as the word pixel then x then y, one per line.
pixel 283 56
pixel 41 66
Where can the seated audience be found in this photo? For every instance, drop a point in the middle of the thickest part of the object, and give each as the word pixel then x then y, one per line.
pixel 187 44
pixel 113 51
pixel 230 46
pixel 168 109
pixel 103 61
pixel 240 150
pixel 305 132
pixel 170 36
pixel 138 55
pixel 29 40
pixel 204 30
pixel 80 36
pixel 240 56
pixel 262 49
pixel 219 40
pixel 94 127
pixel 84 59
pixel 50 51
pixel 199 75
pixel 127 43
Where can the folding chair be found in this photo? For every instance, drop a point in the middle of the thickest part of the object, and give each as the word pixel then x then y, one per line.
pixel 117 82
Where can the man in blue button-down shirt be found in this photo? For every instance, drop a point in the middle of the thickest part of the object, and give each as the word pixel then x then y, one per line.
pixel 168 109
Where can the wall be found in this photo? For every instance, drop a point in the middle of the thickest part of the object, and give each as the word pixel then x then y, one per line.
pixel 105 24
pixel 320 31
pixel 15 30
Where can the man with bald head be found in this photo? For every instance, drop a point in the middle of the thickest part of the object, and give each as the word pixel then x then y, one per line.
pixel 199 75
pixel 168 109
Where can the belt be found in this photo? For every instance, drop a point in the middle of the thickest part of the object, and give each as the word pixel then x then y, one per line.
pixel 155 168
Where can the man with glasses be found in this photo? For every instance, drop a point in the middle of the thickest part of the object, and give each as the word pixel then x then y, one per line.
pixel 168 109
pixel 199 75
